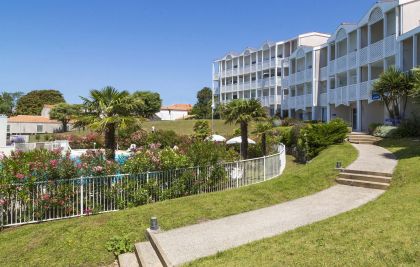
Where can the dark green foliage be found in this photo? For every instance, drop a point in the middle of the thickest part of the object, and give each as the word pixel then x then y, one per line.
pixel 151 103
pixel 202 109
pixel 166 138
pixel 314 138
pixel 8 102
pixel 202 129
pixel 409 127
pixel 209 153
pixel 33 102
pixel 64 112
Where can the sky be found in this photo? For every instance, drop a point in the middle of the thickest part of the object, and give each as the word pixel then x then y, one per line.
pixel 164 46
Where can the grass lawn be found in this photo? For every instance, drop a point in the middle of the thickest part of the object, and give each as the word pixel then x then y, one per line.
pixel 186 126
pixel 182 127
pixel 385 232
pixel 81 241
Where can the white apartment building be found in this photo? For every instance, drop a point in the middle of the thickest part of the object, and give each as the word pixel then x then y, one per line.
pixel 321 77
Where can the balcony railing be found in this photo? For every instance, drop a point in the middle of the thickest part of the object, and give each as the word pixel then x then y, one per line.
pixel 300 77
pixel 323 99
pixel 390 45
pixel 341 64
pixel 300 102
pixel 363 56
pixel 308 100
pixel 331 67
pixel 376 51
pixel 323 74
pixel 308 75
pixel 352 60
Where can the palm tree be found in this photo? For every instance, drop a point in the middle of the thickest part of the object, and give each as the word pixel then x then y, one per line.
pixel 242 112
pixel 394 87
pixel 261 129
pixel 107 110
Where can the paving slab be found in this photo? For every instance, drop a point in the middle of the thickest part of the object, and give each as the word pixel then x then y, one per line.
pixel 373 158
pixel 196 241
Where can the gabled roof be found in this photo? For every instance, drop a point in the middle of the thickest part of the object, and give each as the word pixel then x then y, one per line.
pixel 180 107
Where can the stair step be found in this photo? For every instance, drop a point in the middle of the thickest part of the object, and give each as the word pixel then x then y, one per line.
pixel 366 172
pixel 157 248
pixel 364 177
pixel 128 260
pixel 365 184
pixel 146 255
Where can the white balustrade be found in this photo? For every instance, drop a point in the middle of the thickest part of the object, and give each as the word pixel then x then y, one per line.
pixel 331 66
pixel 308 75
pixel 352 60
pixel 308 100
pixel 300 77
pixel 363 56
pixel 376 51
pixel 332 96
pixel 363 90
pixel 323 99
pixel 352 92
pixel 323 74
pixel 390 45
pixel 341 64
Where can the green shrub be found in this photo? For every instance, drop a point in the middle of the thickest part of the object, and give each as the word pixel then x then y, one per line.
pixel 385 131
pixel 372 127
pixel 119 245
pixel 409 127
pixel 165 138
pixel 314 138
pixel 201 129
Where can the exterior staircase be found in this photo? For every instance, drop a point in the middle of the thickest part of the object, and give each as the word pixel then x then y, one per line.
pixel 362 138
pixel 375 180
pixel 146 254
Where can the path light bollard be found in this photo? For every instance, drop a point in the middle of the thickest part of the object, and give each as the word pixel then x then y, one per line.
pixel 154 226
pixel 338 165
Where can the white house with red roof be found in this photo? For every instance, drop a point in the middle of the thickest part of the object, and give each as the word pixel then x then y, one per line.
pixel 31 124
pixel 174 112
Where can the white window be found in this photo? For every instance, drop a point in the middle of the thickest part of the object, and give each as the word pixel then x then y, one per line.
pixel 39 128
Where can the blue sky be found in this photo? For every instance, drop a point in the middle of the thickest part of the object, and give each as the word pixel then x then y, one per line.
pixel 163 46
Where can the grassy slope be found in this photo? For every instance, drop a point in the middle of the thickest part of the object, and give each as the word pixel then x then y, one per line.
pixel 385 232
pixel 81 241
pixel 183 127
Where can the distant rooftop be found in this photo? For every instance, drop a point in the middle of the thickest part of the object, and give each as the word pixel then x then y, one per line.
pixel 180 107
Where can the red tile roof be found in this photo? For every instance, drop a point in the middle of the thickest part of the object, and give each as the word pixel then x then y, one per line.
pixel 30 118
pixel 181 107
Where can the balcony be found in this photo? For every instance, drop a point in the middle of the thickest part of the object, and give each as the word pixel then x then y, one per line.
pixel 292 79
pixel 285 81
pixel 272 100
pixel 299 77
pixel 376 51
pixel 300 102
pixel 353 92
pixel 341 64
pixel 308 75
pixel 323 99
pixel 265 101
pixel 331 67
pixel 352 60
pixel 216 76
pixel 390 45
pixel 308 100
pixel 363 56
pixel 323 73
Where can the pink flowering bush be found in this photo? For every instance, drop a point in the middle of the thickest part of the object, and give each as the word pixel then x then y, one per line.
pixel 81 142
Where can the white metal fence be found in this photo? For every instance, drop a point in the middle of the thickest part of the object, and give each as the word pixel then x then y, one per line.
pixel 59 199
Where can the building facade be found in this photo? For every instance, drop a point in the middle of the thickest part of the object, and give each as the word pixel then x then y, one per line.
pixel 321 77
pixel 174 112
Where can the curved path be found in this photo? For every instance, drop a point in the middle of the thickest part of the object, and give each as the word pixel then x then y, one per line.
pixel 188 243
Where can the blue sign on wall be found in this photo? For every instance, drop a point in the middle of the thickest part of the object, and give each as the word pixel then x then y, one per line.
pixel 375 96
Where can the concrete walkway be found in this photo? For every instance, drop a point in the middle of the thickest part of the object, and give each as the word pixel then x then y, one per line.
pixel 189 243
pixel 373 158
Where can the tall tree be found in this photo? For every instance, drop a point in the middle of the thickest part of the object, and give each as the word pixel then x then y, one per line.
pixel 33 102
pixel 394 87
pixel 107 110
pixel 202 109
pixel 152 103
pixel 8 102
pixel 242 112
pixel 64 112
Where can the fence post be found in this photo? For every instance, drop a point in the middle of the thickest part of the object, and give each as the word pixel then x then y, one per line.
pixel 147 177
pixel 237 174
pixel 264 168
pixel 81 196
